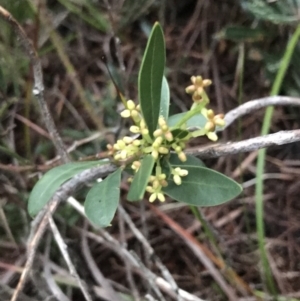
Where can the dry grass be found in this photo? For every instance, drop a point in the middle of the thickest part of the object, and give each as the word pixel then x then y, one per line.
pixel 190 28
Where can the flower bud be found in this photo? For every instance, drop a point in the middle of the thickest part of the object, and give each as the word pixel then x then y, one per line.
pixel 207 82
pixel 182 157
pixel 157 133
pixel 169 136
pixel 152 197
pixel 163 150
pixel 149 189
pixel 190 89
pixel 212 136
pixel 130 105
pixel 157 142
pixel 154 154
pixel 123 154
pixel 178 149
pixel 161 121
pixel 155 184
pixel 134 129
pixel 145 132
pixel 210 114
pixel 135 114
pixel 161 197
pixel 177 179
pixel 209 126
pixel 125 113
pixel 127 139
pixel 162 176
pixel 121 144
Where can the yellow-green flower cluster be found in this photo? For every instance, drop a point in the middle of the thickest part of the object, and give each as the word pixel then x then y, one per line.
pixel 157 182
pixel 160 145
pixel 197 91
pixel 155 185
pixel 132 111
pixel 197 87
pixel 212 122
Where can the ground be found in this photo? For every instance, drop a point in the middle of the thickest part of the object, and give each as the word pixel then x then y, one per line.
pixel 239 46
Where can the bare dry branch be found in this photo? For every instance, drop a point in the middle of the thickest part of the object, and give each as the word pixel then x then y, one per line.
pixel 63 249
pixel 38 89
pixel 257 104
pixel 231 148
pixel 97 274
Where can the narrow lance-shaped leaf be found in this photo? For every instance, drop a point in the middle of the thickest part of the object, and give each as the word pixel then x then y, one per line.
pixel 151 77
pixel 202 187
pixel 102 200
pixel 52 180
pixel 140 179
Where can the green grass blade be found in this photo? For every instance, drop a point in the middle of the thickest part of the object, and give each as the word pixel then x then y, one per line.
pixel 261 160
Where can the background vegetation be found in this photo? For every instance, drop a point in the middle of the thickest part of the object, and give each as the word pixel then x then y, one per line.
pixel 239 45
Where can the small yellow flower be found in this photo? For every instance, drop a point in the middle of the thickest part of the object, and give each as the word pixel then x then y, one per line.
pixel 182 157
pixel 136 165
pixel 212 122
pixel 127 139
pixel 163 150
pixel 163 130
pixel 134 129
pixel 197 87
pixel 154 154
pixel 157 195
pixel 131 111
pixel 212 136
pixel 177 174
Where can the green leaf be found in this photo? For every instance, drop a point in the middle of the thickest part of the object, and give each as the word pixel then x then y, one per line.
pixel 151 77
pixel 278 12
pixel 202 187
pixel 52 180
pixel 3 83
pixel 102 200
pixel 173 161
pixel 190 161
pixel 197 121
pixel 164 99
pixel 140 179
pixel 179 133
pixel 242 34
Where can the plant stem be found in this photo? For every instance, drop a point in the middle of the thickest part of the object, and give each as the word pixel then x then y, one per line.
pixel 261 160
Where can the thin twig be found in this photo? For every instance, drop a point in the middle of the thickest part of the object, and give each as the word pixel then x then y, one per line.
pixel 128 270
pixel 231 148
pixel 38 89
pixel 256 104
pixel 150 251
pixel 63 249
pixel 53 286
pixel 97 274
